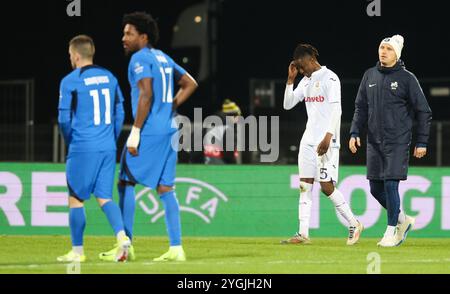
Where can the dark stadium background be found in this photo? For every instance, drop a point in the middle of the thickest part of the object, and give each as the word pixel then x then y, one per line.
pixel 255 40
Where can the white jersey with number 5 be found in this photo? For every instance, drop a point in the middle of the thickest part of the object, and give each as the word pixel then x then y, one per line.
pixel 322 95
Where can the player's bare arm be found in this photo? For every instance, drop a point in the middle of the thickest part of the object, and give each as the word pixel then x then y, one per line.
pixel 143 109
pixel 335 116
pixel 324 145
pixel 188 85
pixel 144 102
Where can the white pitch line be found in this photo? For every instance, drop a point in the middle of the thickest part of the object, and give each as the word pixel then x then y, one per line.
pixel 129 264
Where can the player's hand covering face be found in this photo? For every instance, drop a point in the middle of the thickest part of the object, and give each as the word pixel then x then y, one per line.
pixel 292 72
pixel 304 66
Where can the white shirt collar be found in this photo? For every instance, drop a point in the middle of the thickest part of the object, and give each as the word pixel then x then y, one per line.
pixel 319 72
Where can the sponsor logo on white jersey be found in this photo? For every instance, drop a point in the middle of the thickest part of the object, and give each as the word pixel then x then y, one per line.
pixel 319 99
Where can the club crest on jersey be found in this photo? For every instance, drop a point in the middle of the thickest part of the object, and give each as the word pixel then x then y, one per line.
pixel 317 84
pixel 315 99
pixel 394 85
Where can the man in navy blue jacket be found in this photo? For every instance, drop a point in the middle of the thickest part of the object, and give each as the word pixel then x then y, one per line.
pixel 389 101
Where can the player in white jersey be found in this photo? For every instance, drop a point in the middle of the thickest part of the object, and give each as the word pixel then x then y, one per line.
pixel 318 158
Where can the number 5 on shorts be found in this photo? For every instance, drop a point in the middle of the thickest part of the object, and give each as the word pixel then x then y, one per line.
pixel 323 174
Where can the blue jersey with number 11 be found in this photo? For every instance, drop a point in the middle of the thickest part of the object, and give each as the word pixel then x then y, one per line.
pixel 91 102
pixel 156 65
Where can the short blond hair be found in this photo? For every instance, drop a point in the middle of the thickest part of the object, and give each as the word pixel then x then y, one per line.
pixel 83 45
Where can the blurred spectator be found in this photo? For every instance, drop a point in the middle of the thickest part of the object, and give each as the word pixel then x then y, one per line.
pixel 215 150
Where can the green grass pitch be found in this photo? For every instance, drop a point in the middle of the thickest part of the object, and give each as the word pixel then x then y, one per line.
pixel 37 254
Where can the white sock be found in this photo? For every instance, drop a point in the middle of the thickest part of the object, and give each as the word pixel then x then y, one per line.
pixel 390 231
pixel 401 217
pixel 343 208
pixel 304 208
pixel 78 249
pixel 120 235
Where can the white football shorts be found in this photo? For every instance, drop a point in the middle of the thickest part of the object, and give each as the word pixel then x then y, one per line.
pixel 320 168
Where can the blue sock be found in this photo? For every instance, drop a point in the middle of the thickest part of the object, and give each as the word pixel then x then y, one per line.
pixel 77 222
pixel 393 201
pixel 173 223
pixel 377 190
pixel 114 216
pixel 127 205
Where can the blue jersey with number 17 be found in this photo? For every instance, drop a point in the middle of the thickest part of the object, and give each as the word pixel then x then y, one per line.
pixel 155 64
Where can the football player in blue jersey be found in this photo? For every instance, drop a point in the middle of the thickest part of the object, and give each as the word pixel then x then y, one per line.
pixel 149 158
pixel 91 116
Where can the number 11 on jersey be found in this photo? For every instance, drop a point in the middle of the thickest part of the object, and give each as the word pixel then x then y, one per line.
pixel 96 99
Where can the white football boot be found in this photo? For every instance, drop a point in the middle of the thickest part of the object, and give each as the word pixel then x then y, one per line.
pixel 404 228
pixel 354 233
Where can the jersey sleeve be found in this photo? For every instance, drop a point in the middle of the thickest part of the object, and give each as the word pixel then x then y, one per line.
pixel 65 96
pixel 64 110
pixel 333 90
pixel 141 67
pixel 119 95
pixel 119 112
pixel 299 94
pixel 179 71
pixel 292 97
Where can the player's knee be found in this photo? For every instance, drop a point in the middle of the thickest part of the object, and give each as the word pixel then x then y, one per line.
pixel 75 202
pixel 305 187
pixel 327 188
pixel 307 181
pixel 328 192
pixel 305 193
pixel 101 202
pixel 164 189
